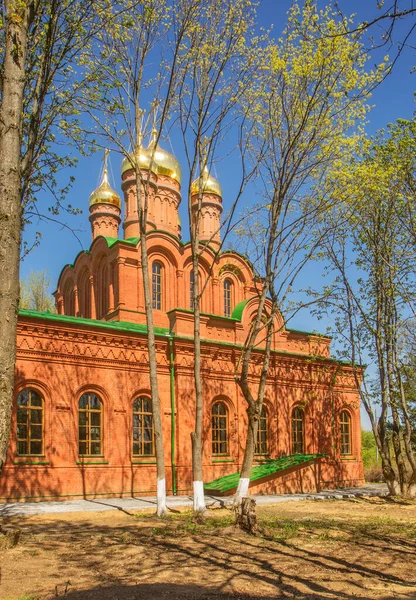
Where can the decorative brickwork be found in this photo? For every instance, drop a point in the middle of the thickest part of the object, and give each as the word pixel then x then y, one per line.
pixel 96 348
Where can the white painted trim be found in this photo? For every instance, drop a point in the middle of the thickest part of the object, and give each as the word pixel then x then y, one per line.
pixel 199 499
pixel 242 490
pixel 161 497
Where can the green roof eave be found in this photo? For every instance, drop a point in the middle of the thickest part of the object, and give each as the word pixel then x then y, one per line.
pixel 121 326
pixel 309 333
pixel 237 313
pixel 112 241
pixel 270 467
pixel 211 315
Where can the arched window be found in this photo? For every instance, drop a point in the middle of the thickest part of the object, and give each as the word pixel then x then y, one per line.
pixel 227 297
pixel 262 445
pixel 345 432
pixel 219 429
pixel 69 299
pixel 191 289
pixel 101 289
pixel 143 430
pixel 84 295
pixel 157 286
pixel 29 430
pixel 90 414
pixel 298 427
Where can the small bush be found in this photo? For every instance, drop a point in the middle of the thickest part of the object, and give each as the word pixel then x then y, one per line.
pixel 373 473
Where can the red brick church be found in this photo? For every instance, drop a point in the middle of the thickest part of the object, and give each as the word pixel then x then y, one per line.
pixel 82 423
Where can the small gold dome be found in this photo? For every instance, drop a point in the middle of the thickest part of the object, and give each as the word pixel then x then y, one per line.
pixel 164 163
pixel 105 194
pixel 210 185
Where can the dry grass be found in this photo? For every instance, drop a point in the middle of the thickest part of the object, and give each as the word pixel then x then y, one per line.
pixel 303 550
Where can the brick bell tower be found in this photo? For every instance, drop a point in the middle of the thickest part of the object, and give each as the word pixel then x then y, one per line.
pixel 161 180
pixel 210 191
pixel 105 207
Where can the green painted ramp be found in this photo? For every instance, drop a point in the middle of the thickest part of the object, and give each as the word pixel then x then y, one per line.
pixel 226 484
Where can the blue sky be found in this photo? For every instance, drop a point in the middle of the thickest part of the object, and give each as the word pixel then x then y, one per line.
pixel 393 99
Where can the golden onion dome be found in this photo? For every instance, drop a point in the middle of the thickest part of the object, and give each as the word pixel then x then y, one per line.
pixel 210 185
pixel 144 161
pixel 164 163
pixel 105 194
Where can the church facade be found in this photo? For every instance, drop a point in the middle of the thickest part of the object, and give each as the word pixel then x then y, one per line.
pixel 82 422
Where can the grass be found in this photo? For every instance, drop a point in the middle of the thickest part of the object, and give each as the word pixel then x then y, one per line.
pixel 282 528
pixel 186 523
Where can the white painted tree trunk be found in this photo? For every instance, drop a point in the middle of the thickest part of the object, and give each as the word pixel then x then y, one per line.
pixel 199 498
pixel 242 490
pixel 161 498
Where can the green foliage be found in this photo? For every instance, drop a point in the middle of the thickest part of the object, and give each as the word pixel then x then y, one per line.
pixel 369 448
pixel 34 292
pixel 371 254
pixel 56 34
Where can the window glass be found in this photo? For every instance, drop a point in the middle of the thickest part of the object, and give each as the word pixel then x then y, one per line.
pixel 29 429
pixel 262 433
pixel 191 289
pixel 298 426
pixel 227 298
pixel 156 286
pixel 143 430
pixel 345 432
pixel 90 425
pixel 219 429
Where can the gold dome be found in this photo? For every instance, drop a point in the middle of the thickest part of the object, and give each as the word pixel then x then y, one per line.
pixel 210 185
pixel 144 161
pixel 105 194
pixel 164 163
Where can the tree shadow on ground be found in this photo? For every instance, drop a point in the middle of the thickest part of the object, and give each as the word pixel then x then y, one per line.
pixel 146 558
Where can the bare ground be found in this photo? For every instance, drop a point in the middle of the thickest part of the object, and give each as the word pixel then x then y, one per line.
pixel 303 551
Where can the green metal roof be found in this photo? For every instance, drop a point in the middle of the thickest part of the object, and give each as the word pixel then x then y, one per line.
pixel 314 333
pixel 277 465
pixel 111 241
pixel 238 310
pixel 114 325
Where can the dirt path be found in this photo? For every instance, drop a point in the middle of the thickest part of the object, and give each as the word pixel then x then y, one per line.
pixel 305 550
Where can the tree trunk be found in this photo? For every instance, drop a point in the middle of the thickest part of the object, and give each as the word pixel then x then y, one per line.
pixel 16 22
pixel 151 347
pixel 196 436
pixel 254 406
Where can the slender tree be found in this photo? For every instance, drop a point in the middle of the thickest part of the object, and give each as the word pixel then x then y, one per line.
pixel 222 56
pixel 311 100
pixel 373 294
pixel 35 294
pixel 121 84
pixel 39 41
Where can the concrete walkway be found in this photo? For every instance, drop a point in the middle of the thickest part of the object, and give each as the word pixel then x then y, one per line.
pixel 125 504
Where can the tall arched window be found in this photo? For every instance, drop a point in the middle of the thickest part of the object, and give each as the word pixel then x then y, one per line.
pixel 90 414
pixel 143 430
pixel 84 293
pixel 104 292
pixel 29 430
pixel 262 443
pixel 298 431
pixel 227 297
pixel 220 429
pixel 191 289
pixel 345 432
pixel 69 299
pixel 157 286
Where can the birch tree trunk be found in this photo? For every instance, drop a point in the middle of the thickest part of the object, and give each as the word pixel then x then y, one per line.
pixel 17 15
pixel 142 205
